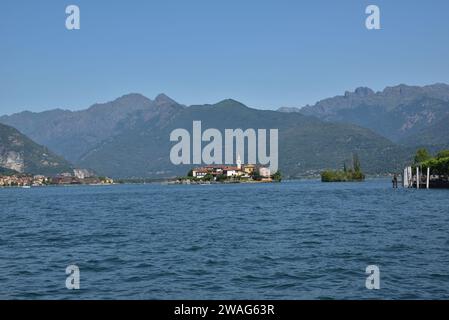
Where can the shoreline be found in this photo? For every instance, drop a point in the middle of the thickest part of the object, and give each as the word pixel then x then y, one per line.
pixel 173 182
pixel 189 182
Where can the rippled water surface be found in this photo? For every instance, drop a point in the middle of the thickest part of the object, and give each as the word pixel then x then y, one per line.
pixel 294 240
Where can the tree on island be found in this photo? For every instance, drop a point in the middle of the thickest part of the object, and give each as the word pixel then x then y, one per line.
pixel 346 175
pixel 256 175
pixel 277 176
pixel 356 163
pixel 221 178
pixel 208 177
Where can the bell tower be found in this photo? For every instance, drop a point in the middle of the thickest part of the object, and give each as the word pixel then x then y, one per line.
pixel 239 162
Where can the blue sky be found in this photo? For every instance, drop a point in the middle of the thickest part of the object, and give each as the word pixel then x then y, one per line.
pixel 266 54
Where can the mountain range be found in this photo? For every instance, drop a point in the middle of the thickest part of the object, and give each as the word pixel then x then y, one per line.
pixel 129 137
pixel 305 143
pixel 73 133
pixel 408 115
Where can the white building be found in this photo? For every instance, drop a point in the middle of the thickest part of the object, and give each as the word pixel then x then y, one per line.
pixel 82 173
pixel 199 173
pixel 231 173
pixel 264 172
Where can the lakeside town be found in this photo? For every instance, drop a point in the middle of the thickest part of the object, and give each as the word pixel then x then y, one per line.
pixel 77 177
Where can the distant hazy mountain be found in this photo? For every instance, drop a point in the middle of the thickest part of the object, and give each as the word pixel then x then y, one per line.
pixel 18 153
pixel 435 137
pixel 129 137
pixel 71 134
pixel 396 112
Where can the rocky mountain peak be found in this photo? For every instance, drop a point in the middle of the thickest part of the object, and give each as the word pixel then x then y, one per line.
pixel 363 91
pixel 401 90
pixel 164 100
pixel 132 98
pixel 360 92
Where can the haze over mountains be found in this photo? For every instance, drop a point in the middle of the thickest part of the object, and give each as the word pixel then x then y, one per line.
pixel 400 113
pixel 129 137
pixel 73 133
pixel 305 143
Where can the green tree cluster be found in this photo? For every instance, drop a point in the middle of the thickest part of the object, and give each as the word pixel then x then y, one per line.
pixel 346 175
pixel 438 165
pixel 277 176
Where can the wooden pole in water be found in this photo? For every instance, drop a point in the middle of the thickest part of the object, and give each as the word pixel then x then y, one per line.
pixel 428 178
pixel 417 177
pixel 405 178
pixel 410 177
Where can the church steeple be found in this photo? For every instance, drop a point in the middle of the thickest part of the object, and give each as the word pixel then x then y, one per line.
pixel 239 162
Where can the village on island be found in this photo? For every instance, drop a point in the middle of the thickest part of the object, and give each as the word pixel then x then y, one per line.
pixel 239 173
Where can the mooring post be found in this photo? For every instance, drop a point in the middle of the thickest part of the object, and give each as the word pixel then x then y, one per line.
pixel 405 178
pixel 417 178
pixel 410 177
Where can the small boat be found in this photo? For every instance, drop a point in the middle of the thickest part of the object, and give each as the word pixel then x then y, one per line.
pixel 26 187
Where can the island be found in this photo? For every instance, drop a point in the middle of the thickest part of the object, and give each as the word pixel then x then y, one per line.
pixel 239 173
pixel 352 174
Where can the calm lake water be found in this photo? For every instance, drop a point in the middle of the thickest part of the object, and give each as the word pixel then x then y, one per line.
pixel 294 240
